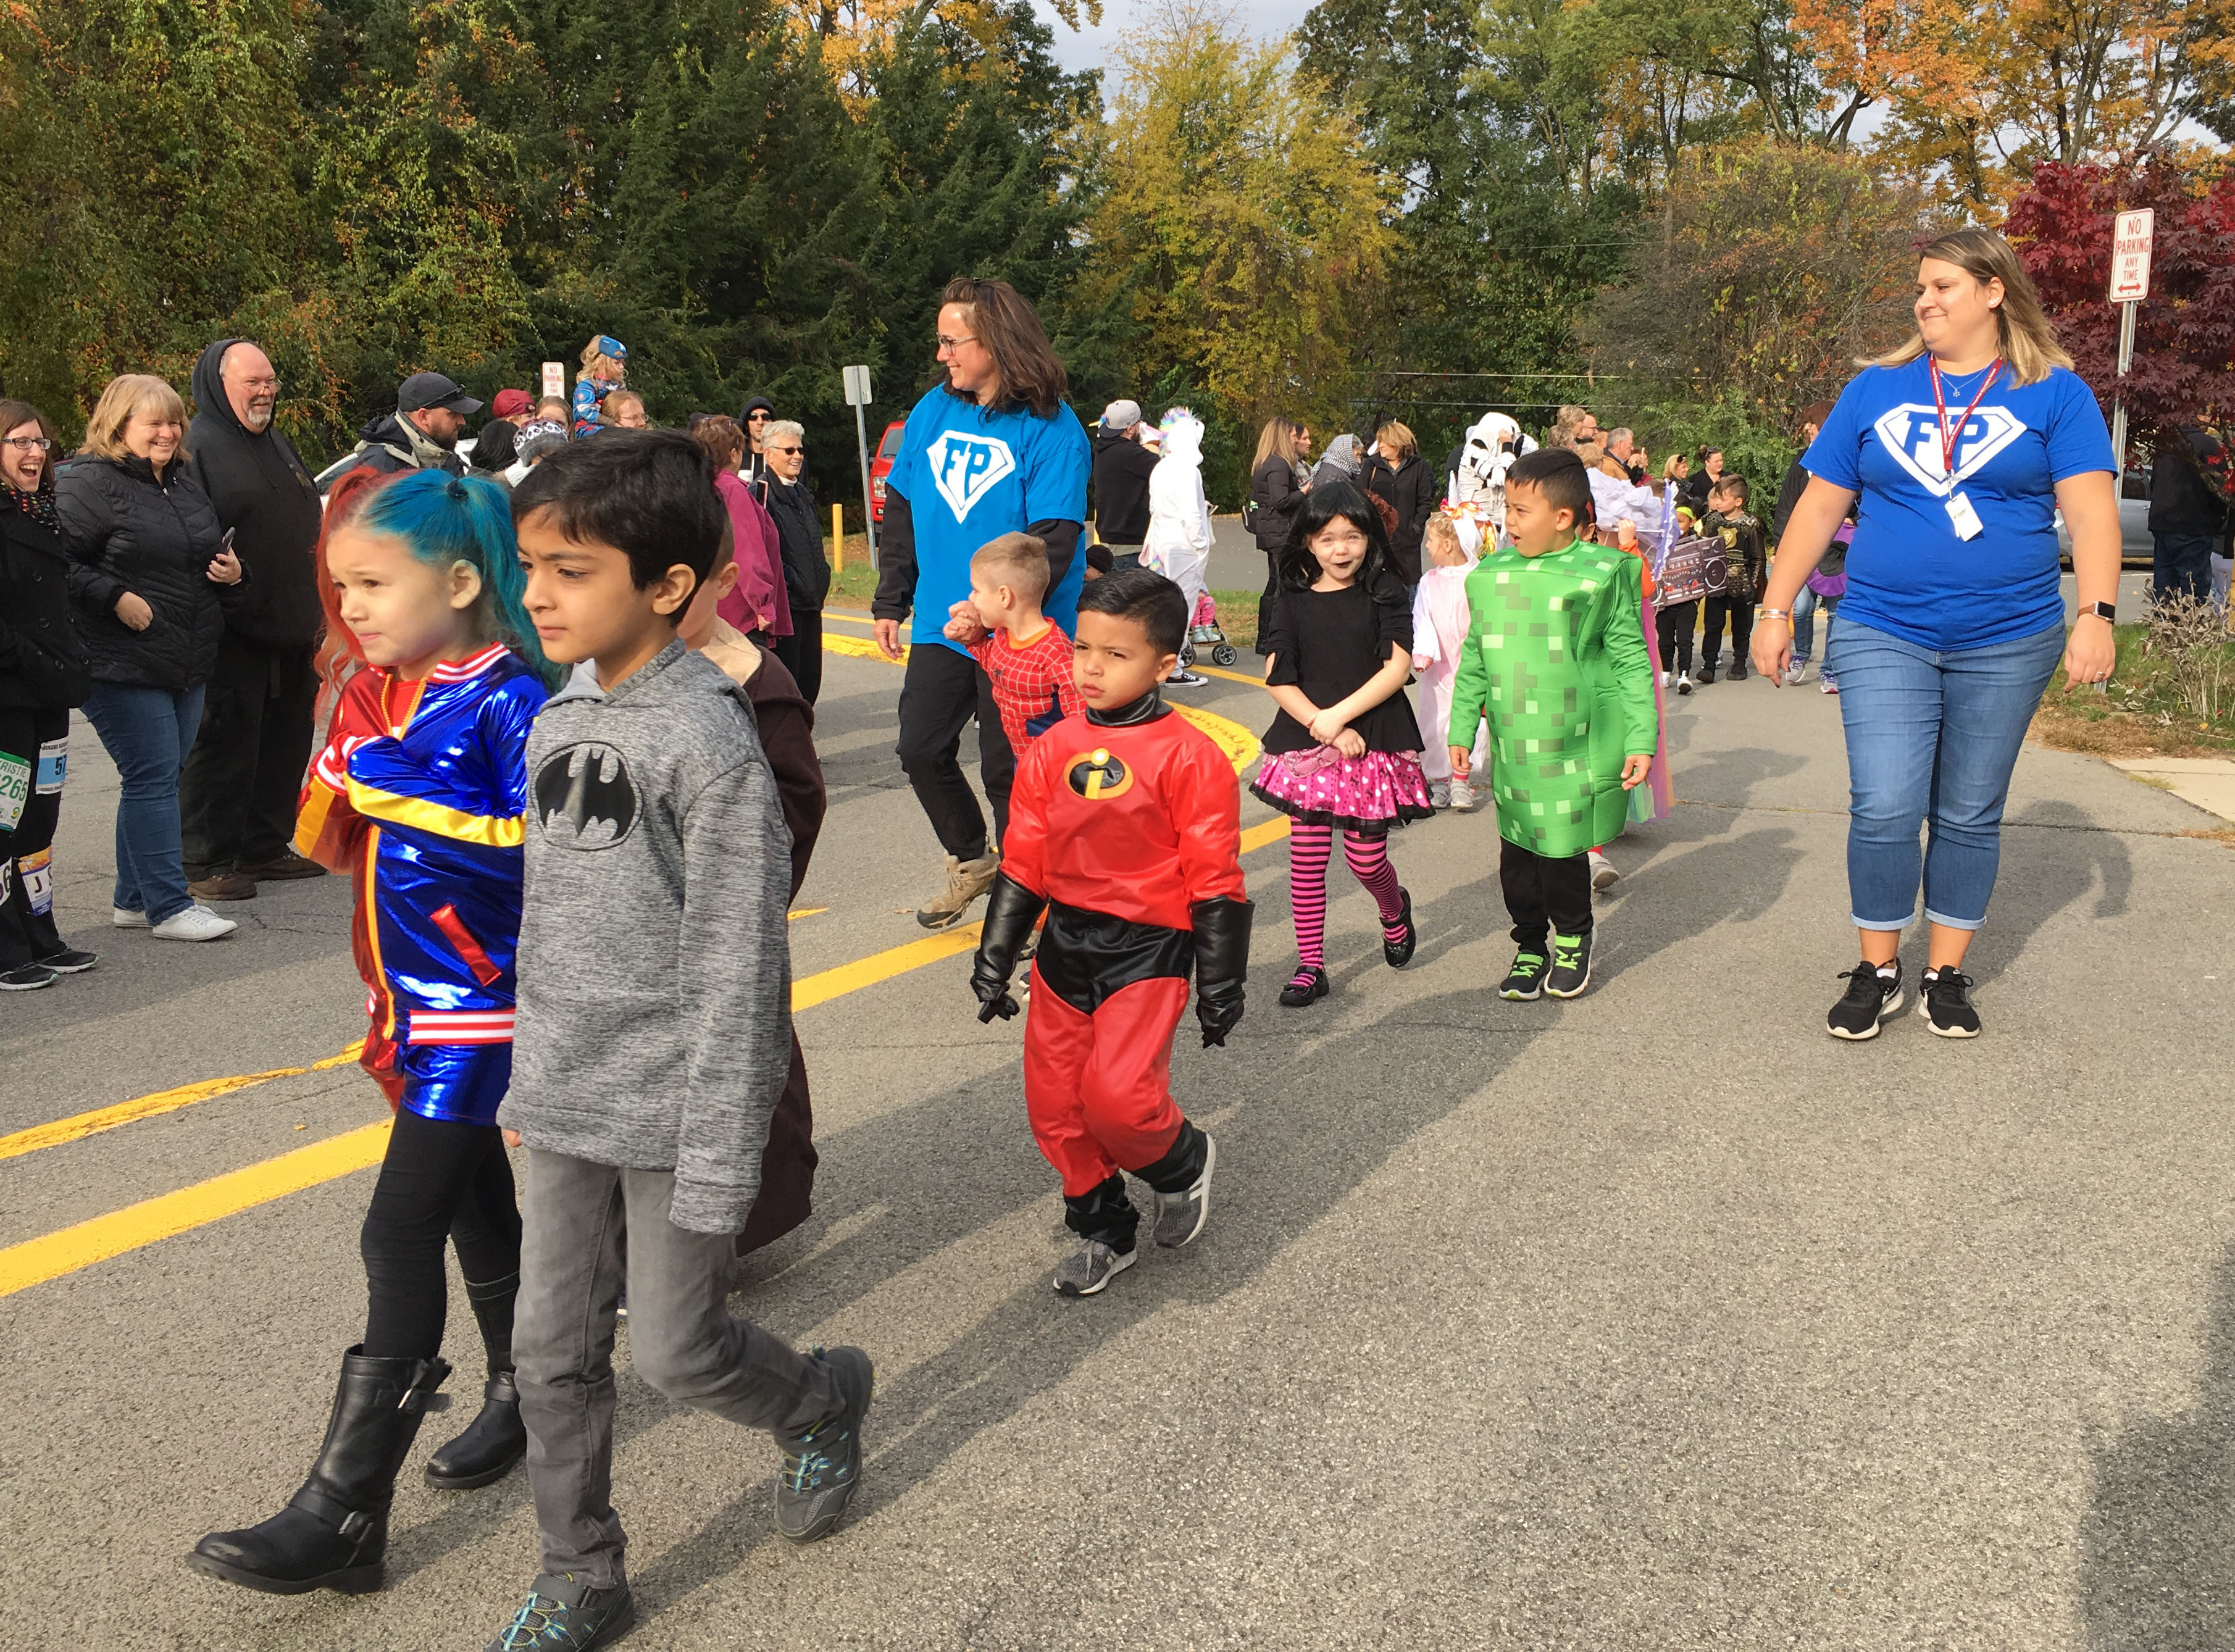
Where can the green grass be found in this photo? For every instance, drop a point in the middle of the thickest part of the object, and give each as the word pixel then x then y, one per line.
pixel 2141 713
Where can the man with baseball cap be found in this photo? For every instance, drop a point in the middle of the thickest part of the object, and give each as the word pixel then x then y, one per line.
pixel 421 434
pixel 1122 465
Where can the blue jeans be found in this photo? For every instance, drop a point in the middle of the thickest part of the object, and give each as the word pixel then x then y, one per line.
pixel 149 733
pixel 1931 738
pixel 2180 564
pixel 1804 624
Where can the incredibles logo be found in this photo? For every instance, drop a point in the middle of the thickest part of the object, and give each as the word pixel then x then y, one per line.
pixel 1099 776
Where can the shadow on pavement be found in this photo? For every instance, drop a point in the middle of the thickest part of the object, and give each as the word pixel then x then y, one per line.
pixel 2157 1543
pixel 2053 853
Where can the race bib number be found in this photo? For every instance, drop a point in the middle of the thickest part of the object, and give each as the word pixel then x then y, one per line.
pixel 54 765
pixel 15 790
pixel 38 871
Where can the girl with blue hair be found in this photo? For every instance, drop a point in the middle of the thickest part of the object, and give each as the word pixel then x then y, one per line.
pixel 420 793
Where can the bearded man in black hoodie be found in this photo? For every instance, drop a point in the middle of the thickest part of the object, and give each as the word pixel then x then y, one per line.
pixel 238 790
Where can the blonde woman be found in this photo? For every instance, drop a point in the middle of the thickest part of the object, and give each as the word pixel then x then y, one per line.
pixel 1278 478
pixel 1962 446
pixel 1396 473
pixel 153 572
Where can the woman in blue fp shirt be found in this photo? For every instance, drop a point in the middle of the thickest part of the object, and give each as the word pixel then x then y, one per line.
pixel 1961 445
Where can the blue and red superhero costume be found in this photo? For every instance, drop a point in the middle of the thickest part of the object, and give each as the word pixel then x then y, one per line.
pixel 1125 827
pixel 422 794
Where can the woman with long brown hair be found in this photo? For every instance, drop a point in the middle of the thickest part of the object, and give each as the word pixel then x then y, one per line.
pixel 991 449
pixel 1278 477
pixel 1962 446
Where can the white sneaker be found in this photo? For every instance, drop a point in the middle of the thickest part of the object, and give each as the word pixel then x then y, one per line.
pixel 1683 682
pixel 197 923
pixel 1602 873
pixel 1439 794
pixel 1464 801
pixel 126 918
pixel 1664 679
pixel 1796 673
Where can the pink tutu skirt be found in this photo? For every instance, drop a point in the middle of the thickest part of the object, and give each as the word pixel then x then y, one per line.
pixel 1321 786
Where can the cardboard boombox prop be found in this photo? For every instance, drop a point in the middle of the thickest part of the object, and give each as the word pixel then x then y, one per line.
pixel 1696 566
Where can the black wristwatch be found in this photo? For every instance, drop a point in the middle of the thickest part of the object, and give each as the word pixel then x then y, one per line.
pixel 2107 613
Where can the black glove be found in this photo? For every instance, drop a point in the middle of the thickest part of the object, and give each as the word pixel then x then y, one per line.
pixel 1222 963
pixel 1011 912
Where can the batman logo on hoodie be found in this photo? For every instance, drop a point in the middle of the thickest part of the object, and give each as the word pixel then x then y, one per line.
pixel 584 796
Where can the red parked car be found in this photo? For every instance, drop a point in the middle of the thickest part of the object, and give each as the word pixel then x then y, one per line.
pixel 881 466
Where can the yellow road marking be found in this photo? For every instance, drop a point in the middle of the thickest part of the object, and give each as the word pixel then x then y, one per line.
pixel 797 913
pixel 1271 831
pixel 858 648
pixel 50 1256
pixel 880 966
pixel 80 1125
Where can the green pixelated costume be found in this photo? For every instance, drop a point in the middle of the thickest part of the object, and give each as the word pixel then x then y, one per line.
pixel 1555 658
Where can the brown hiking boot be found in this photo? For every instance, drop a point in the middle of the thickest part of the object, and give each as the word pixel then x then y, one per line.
pixel 966 881
pixel 223 886
pixel 283 865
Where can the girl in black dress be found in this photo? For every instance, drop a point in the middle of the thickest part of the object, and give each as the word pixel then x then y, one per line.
pixel 1344 753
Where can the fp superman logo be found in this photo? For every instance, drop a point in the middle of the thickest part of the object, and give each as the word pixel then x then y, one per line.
pixel 964 469
pixel 1099 776
pixel 1912 434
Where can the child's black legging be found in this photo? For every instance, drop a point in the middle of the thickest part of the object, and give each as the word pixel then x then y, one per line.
pixel 1676 627
pixel 441 1179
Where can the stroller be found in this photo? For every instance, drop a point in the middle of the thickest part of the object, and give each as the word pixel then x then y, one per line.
pixel 1205 631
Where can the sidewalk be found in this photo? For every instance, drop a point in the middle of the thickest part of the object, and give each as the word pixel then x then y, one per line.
pixel 2209 782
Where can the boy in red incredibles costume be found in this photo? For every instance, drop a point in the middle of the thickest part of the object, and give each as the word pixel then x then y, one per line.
pixel 1124 827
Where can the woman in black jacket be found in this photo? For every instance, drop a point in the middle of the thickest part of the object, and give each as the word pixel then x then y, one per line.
pixel 790 502
pixel 42 674
pixel 151 573
pixel 1396 473
pixel 1277 482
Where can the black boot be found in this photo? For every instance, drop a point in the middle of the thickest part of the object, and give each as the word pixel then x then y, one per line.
pixel 333 1533
pixel 496 1439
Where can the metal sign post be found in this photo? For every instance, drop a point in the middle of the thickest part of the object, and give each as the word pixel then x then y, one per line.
pixel 2131 236
pixel 857 397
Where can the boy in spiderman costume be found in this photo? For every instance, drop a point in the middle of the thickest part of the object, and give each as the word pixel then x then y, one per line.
pixel 1124 827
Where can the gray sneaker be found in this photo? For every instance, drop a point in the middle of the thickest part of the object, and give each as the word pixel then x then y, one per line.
pixel 1796 673
pixel 1180 1215
pixel 1088 1270
pixel 966 881
pixel 822 1467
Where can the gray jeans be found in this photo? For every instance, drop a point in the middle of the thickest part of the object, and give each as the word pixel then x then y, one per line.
pixel 584 1227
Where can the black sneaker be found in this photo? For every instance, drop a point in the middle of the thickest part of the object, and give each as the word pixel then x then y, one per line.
pixel 1525 980
pixel 1707 675
pixel 1572 965
pixel 822 1467
pixel 1870 998
pixel 70 961
pixel 1306 987
pixel 1398 953
pixel 1946 1005
pixel 28 979
pixel 1739 672
pixel 566 1615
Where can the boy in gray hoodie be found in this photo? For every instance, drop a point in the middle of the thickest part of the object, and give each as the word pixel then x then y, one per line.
pixel 654 1030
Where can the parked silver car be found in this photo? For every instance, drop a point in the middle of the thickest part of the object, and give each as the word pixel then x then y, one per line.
pixel 2135 545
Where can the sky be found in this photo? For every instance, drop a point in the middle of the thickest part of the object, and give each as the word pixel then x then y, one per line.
pixel 1090 47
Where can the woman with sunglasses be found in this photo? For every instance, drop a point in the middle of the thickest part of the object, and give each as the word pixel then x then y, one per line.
pixel 790 502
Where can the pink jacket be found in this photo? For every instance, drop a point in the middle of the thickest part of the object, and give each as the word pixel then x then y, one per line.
pixel 760 562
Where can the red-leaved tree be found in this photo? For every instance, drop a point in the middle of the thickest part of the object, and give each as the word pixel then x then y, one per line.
pixel 2184 366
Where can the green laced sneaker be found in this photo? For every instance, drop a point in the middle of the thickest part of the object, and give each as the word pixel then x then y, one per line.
pixel 1572 965
pixel 1525 980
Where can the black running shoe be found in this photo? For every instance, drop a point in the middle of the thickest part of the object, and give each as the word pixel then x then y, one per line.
pixel 1572 965
pixel 566 1615
pixel 1870 998
pixel 1946 1006
pixel 1525 982
pixel 1306 987
pixel 1398 953
pixel 822 1467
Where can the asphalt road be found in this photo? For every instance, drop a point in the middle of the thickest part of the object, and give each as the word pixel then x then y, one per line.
pixel 1653 1320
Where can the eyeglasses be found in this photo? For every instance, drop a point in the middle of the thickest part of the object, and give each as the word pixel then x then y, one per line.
pixel 271 383
pixel 944 343
pixel 787 449
pixel 756 418
pixel 28 443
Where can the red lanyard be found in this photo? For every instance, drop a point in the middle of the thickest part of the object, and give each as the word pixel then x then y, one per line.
pixel 1948 437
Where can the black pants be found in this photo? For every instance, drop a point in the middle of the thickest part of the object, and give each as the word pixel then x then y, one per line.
pixel 35 739
pixel 802 651
pixel 1543 894
pixel 1106 1211
pixel 440 1179
pixel 943 690
pixel 1265 602
pixel 1676 627
pixel 238 790
pixel 1741 614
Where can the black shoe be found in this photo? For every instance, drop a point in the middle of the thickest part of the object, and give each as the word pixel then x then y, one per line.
pixel 333 1533
pixel 28 979
pixel 1870 998
pixel 1707 675
pixel 564 1614
pixel 1398 953
pixel 1739 672
pixel 1946 1006
pixel 491 1444
pixel 70 961
pixel 822 1467
pixel 1306 987
pixel 1572 965
pixel 1525 982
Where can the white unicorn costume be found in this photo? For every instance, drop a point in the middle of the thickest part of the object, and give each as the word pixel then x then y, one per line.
pixel 1179 542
